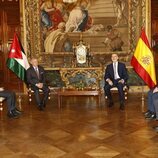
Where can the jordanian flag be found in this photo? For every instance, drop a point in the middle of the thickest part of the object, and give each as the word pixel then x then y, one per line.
pixel 143 61
pixel 17 60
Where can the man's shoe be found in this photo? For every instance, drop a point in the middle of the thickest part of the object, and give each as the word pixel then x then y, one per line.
pixel 156 119
pixel 40 108
pixel 147 113
pixel 122 107
pixel 44 104
pixel 156 128
pixel 110 104
pixel 10 114
pixel 151 117
pixel 17 111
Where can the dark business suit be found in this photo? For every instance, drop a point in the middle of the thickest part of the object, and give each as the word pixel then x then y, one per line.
pixel 33 79
pixel 10 97
pixel 109 73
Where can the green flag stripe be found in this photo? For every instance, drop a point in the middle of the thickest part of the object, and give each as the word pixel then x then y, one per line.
pixel 17 68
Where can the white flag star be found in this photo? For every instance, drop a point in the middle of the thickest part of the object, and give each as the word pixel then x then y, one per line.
pixel 13 50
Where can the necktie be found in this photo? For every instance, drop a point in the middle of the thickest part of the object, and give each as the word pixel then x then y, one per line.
pixel 37 72
pixel 115 74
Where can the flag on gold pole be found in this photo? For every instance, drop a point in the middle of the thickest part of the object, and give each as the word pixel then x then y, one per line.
pixel 143 61
pixel 17 60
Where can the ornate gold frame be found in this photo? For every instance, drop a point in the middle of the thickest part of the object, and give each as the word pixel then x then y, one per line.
pixel 95 72
pixel 139 16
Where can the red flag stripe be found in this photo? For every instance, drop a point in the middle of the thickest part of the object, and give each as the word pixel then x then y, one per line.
pixel 144 38
pixel 15 49
pixel 141 71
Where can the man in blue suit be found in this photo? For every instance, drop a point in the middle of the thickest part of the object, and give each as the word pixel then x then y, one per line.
pixel 115 76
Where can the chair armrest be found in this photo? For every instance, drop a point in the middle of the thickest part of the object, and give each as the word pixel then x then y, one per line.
pixel 2 99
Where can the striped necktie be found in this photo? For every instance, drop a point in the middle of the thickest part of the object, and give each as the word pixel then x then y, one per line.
pixel 37 72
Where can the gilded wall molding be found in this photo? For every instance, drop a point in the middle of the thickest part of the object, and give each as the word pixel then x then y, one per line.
pixel 69 75
pixel 32 22
pixel 133 4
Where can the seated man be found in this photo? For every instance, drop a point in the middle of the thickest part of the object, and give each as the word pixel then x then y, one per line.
pixel 13 112
pixel 150 114
pixel 115 76
pixel 36 78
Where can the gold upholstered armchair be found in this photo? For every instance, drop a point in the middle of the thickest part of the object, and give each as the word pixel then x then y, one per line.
pixel 31 93
pixel 1 103
pixel 125 90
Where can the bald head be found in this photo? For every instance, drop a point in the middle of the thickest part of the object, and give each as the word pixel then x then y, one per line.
pixel 34 62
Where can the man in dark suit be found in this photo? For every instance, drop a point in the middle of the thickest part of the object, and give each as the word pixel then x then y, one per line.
pixel 115 76
pixel 36 78
pixel 13 112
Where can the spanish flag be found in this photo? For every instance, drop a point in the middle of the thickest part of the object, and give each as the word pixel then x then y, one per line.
pixel 143 61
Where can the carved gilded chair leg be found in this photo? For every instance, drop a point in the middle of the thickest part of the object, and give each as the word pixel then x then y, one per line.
pixel 1 106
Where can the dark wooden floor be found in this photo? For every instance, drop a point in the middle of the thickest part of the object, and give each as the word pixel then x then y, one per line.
pixel 80 129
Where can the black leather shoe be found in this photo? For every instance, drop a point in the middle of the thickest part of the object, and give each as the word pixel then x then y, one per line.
pixel 122 107
pixel 44 104
pixel 156 128
pixel 110 104
pixel 10 114
pixel 147 113
pixel 40 108
pixel 17 111
pixel 151 117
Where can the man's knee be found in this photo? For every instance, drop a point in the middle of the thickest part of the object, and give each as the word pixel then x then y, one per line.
pixel 150 92
pixel 155 97
pixel 36 91
pixel 11 94
pixel 46 90
pixel 120 86
pixel 107 87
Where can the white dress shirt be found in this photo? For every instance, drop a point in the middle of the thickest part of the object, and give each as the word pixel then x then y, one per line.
pixel 115 67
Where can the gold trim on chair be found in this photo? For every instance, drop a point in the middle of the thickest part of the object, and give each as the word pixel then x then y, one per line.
pixel 1 103
pixel 30 92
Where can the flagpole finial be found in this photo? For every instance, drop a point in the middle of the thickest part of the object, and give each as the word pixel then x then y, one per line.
pixel 16 31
